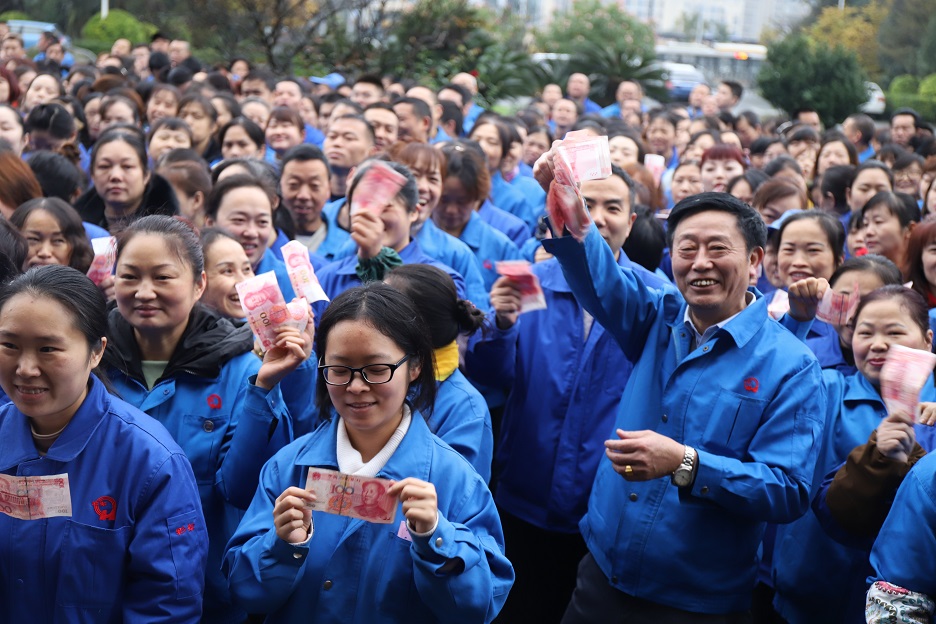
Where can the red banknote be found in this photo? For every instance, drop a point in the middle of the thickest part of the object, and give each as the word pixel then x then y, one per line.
pixel 302 273
pixel 580 157
pixel 902 377
pixel 354 496
pixel 377 188
pixel 838 308
pixel 266 309
pixel 105 256
pixel 33 498
pixel 521 274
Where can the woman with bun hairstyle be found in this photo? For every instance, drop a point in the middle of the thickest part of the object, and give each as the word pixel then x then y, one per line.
pixel 460 415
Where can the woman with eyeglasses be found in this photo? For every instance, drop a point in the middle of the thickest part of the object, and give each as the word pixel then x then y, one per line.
pixel 442 556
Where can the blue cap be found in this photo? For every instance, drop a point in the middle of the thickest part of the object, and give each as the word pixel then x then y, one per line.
pixel 332 80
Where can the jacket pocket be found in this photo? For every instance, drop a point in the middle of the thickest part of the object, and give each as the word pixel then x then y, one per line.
pixel 187 537
pixel 396 586
pixel 93 561
pixel 732 423
pixel 202 439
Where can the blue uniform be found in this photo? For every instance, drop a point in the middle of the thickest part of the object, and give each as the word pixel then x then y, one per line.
pixel 134 548
pixel 335 236
pixel 489 246
pixel 227 426
pixel 565 388
pixel 462 419
pixel 455 253
pixel 750 401
pixel 341 275
pixel 269 262
pixel 352 570
pixel 514 227
pixel 816 578
pixel 511 199
pixel 905 550
pixel 822 340
pixel 534 195
pixel 473 113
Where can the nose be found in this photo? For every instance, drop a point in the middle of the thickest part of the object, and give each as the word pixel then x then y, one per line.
pixel 357 383
pixel 701 261
pixel 799 259
pixel 304 192
pixel 145 291
pixel 45 250
pixel 26 366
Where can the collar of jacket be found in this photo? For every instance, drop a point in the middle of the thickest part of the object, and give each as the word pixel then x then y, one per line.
pixel 209 341
pixel 411 459
pixel 16 443
pixel 742 327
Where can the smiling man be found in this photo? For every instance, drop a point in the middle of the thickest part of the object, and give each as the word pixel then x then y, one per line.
pixel 717 432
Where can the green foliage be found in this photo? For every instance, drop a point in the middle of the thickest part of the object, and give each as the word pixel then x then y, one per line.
pixel 928 87
pixel 119 23
pixel 904 84
pixel 14 15
pixel 926 54
pixel 799 73
pixel 924 105
pixel 605 43
pixel 902 35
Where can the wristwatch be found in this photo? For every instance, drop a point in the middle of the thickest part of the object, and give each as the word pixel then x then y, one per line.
pixel 682 476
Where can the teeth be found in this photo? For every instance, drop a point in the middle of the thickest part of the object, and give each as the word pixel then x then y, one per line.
pixel 703 283
pixel 31 390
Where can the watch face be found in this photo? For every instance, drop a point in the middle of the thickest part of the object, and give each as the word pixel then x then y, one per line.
pixel 682 477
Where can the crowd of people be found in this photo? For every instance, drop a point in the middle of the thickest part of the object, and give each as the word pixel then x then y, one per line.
pixel 675 437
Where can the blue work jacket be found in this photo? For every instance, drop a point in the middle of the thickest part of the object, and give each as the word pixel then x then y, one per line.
pixel 750 401
pixel 318 262
pixel 489 246
pixel 815 577
pixel 462 419
pixel 905 551
pixel 455 253
pixel 341 275
pixel 512 226
pixel 227 426
pixel 822 340
pixel 354 571
pixel 511 199
pixel 134 548
pixel 565 388
pixel 335 235
pixel 533 194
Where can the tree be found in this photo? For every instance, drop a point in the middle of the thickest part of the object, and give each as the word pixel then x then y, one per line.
pixel 604 42
pixel 926 55
pixel 901 36
pixel 855 28
pixel 799 72
pixel 119 23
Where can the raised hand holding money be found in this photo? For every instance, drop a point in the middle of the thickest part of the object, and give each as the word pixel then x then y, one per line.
pixel 577 158
pixel 302 273
pixel 521 274
pixel 902 377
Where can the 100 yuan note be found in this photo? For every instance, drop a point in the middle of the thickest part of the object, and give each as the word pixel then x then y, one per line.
pixel 33 498
pixel 364 498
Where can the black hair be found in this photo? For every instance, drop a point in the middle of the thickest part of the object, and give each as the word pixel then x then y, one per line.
pixel 432 291
pixel 837 137
pixel 835 181
pixel 57 175
pixel 392 314
pixel 13 252
pixel 503 134
pixel 865 125
pixel 408 193
pixel 736 89
pixel 202 102
pixel 451 112
pixel 754 178
pixel 233 106
pixel 220 83
pixel 112 99
pixel 368 129
pixel 72 290
pixel 907 298
pixel 802 133
pixel 760 144
pixel 232 183
pixel 782 163
pixel 905 213
pixel 169 123
pixel 872 164
pixel 647 239
pixel 304 152
pixel 828 223
pixel 881 267
pixel 211 235
pixel 254 132
pixel 52 118
pixel 261 74
pixel 179 236
pixel 465 161
pixel 917 120
pixel 420 108
pixel 662 113
pixel 750 223
pixel 68 220
pixel 260 169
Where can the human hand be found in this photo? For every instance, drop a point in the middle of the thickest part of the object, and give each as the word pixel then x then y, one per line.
pixel 505 298
pixel 420 503
pixel 644 455
pixel 805 296
pixel 895 437
pixel 291 349
pixel 367 231
pixel 292 516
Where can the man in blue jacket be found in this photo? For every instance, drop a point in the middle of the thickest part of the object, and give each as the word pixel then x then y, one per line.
pixel 566 375
pixel 718 429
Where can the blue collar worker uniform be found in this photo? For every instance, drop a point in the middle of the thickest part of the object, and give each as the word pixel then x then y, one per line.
pixel 815 577
pixel 512 226
pixel 449 250
pixel 489 246
pixel 461 418
pixel 565 387
pixel 227 426
pixel 351 570
pixel 510 198
pixel 135 546
pixel 749 399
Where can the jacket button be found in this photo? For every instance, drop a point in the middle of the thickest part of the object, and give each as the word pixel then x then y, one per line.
pixel 438 542
pixel 166 391
pixel 633 497
pixel 614 580
pixel 208 426
pixel 665 418
pixel 327 585
pixel 297 555
pixel 705 348
pixel 704 489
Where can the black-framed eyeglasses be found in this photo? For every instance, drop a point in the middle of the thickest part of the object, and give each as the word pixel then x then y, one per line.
pixel 372 373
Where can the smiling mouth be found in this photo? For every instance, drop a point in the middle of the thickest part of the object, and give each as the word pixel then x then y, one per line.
pixel 29 390
pixel 702 283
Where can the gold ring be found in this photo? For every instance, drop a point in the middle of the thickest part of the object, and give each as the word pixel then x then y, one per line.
pixel 628 470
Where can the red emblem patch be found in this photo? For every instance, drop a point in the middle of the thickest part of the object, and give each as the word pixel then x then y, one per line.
pixel 106 508
pixel 488 265
pixel 751 384
pixel 214 401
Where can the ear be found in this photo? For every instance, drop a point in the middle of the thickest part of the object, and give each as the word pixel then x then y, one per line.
pixel 200 284
pixel 209 222
pixel 96 356
pixel 756 256
pixel 416 369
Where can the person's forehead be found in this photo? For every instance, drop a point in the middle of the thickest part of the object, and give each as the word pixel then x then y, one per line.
pixel 903 120
pixel 348 126
pixel 709 223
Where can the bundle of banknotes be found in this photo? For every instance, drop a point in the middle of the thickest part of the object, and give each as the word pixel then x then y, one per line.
pixel 33 498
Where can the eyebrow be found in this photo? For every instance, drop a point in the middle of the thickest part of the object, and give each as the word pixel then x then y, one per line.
pixel 373 356
pixel 43 338
pixel 164 265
